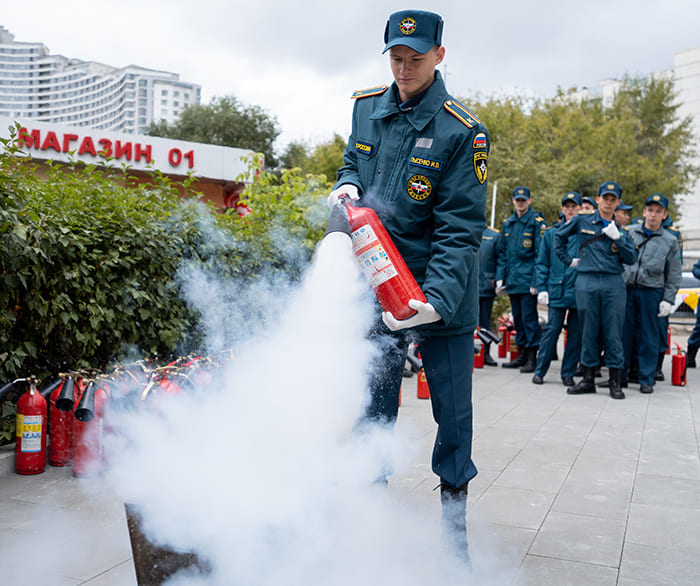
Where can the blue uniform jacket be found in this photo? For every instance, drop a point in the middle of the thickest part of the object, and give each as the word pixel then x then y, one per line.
pixel 517 253
pixel 423 172
pixel 658 265
pixel 602 256
pixel 553 275
pixel 488 260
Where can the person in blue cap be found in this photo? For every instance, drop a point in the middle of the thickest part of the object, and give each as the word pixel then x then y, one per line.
pixel 418 157
pixel 588 204
pixel 520 243
pixel 556 288
pixel 652 283
pixel 488 260
pixel 602 250
pixel 622 214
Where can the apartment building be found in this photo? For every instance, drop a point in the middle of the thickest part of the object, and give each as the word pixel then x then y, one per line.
pixel 52 88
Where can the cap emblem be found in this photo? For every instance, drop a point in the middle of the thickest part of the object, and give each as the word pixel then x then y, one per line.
pixel 407 26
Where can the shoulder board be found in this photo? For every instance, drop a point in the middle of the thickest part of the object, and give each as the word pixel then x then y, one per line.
pixel 539 219
pixel 371 91
pixel 626 228
pixel 586 212
pixel 672 230
pixel 494 229
pixel 461 113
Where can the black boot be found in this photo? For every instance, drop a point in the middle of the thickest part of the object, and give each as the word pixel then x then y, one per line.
pixel 659 367
pixel 690 358
pixel 519 361
pixel 454 519
pixel 488 361
pixel 530 360
pixel 614 384
pixel 586 385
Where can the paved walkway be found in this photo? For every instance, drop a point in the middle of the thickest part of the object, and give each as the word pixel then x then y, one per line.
pixel 571 490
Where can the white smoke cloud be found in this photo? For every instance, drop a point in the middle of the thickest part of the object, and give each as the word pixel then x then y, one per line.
pixel 262 474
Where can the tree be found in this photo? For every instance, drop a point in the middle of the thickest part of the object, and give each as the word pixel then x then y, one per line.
pixel 226 122
pixel 324 159
pixel 563 143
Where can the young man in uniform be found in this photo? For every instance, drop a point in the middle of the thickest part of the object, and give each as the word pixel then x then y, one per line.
pixel 520 243
pixel 556 288
pixel 419 158
pixel 488 259
pixel 622 214
pixel 652 283
pixel 600 289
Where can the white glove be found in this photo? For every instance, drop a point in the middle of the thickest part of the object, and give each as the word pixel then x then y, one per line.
pixel 500 289
pixel 543 298
pixel 426 314
pixel 346 189
pixel 574 262
pixel 611 231
pixel 664 309
pixel 533 290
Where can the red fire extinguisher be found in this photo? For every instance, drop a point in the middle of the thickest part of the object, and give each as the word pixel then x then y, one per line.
pixel 514 350
pixel 381 263
pixel 678 367
pixel 88 431
pixel 478 352
pixel 30 447
pixel 503 343
pixel 61 404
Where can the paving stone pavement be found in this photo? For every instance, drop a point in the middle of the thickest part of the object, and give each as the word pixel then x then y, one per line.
pixel 571 489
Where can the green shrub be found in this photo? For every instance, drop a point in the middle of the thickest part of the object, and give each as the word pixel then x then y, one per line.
pixel 89 261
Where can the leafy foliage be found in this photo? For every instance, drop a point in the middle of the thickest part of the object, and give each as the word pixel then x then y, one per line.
pixel 323 159
pixel 89 260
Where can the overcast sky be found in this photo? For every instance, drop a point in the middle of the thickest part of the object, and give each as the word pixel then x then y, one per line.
pixel 301 60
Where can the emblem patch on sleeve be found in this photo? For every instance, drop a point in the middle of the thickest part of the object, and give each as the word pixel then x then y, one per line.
pixel 419 187
pixel 480 168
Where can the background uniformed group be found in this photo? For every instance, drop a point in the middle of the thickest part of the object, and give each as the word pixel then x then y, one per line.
pixel 611 283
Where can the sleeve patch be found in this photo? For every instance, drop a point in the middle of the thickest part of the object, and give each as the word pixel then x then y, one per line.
pixel 372 91
pixel 462 114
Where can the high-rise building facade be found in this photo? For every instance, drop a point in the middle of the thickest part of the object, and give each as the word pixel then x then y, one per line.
pixel 54 88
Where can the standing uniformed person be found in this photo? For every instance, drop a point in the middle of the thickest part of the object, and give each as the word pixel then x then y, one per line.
pixel 652 283
pixel 418 157
pixel 694 338
pixel 588 204
pixel 600 288
pixel 556 288
pixel 667 224
pixel 622 214
pixel 488 260
pixel 518 248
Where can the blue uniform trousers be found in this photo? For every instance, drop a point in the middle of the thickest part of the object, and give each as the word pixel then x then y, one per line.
pixel 600 299
pixel 485 309
pixel 663 333
pixel 525 320
pixel 550 337
pixel 448 362
pixel 641 330
pixel 694 339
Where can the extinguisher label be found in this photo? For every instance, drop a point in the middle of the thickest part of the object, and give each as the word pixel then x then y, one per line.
pixel 371 256
pixel 29 432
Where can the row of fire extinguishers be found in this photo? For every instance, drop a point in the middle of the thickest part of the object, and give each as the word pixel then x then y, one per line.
pixel 68 421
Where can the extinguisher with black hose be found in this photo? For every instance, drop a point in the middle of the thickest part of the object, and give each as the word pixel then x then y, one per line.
pixel 88 431
pixel 30 447
pixel 61 404
pixel 380 261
